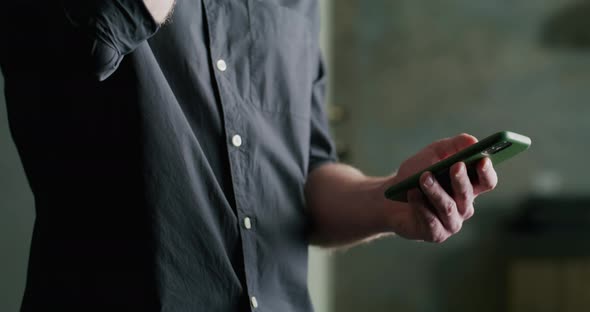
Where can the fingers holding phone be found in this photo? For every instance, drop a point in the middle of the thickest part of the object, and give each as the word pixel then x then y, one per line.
pixel 440 198
pixel 478 157
pixel 462 190
pixel 487 178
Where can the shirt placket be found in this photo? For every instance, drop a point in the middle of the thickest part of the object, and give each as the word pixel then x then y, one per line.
pixel 218 15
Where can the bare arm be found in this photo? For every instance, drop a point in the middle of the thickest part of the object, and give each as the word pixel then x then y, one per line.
pixel 348 207
pixel 342 203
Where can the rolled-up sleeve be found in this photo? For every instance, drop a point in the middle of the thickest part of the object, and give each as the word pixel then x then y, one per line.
pixel 112 28
pixel 322 149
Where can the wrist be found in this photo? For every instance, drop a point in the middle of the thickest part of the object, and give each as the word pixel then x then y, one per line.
pixel 383 209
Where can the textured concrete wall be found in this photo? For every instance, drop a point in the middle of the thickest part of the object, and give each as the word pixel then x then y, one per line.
pixel 408 72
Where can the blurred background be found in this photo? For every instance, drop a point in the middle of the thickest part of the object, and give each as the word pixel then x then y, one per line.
pixel 403 74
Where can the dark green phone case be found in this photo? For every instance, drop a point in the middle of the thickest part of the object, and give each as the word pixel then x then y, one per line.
pixel 498 147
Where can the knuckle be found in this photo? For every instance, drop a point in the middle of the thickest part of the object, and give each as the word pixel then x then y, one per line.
pixel 449 208
pixel 463 195
pixel 434 233
pixel 437 149
pixel 439 238
pixel 431 223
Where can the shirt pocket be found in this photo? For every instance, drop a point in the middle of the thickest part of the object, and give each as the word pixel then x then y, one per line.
pixel 281 58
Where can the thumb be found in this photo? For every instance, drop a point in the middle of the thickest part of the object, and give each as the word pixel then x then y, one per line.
pixel 449 146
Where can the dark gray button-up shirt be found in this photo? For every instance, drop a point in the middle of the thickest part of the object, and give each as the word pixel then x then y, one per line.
pixel 167 162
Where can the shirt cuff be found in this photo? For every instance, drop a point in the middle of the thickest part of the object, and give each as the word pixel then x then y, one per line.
pixel 119 27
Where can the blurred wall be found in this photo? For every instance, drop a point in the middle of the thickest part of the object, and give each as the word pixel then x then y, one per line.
pixel 408 72
pixel 16 218
pixel 320 269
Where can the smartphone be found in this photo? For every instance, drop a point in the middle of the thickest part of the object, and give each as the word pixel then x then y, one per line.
pixel 498 147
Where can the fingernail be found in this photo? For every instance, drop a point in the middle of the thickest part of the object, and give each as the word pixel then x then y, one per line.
pixel 429 181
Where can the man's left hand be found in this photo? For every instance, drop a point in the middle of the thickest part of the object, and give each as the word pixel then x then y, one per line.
pixel 432 214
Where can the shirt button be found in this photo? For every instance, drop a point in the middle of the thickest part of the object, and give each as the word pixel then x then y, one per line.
pixel 254 302
pixel 236 140
pixel 247 223
pixel 221 65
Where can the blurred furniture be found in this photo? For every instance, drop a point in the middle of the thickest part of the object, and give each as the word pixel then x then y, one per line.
pixel 548 256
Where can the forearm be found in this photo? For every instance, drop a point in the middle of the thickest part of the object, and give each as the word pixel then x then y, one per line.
pixel 346 207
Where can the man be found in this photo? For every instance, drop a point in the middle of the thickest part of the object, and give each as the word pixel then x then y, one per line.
pixel 186 165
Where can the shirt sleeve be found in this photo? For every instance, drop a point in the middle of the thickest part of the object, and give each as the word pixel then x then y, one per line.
pixel 322 149
pixel 111 28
